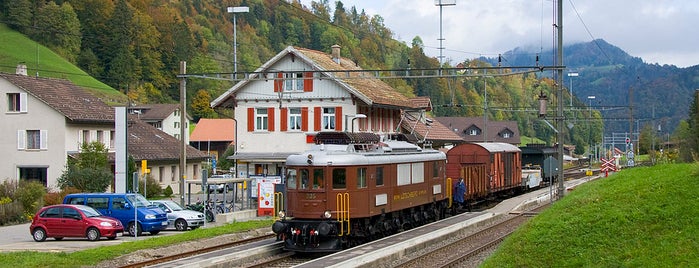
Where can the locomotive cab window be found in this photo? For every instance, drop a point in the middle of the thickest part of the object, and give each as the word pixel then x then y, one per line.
pixel 318 179
pixel 304 178
pixel 379 176
pixel 361 178
pixel 291 179
pixel 339 178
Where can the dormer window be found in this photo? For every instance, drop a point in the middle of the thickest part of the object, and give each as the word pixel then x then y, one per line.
pixel 506 135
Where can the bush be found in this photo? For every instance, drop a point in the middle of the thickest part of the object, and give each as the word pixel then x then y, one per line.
pixel 8 188
pixel 153 188
pixel 54 198
pixel 30 194
pixel 168 191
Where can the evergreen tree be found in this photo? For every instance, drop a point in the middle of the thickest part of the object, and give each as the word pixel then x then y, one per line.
pixel 18 14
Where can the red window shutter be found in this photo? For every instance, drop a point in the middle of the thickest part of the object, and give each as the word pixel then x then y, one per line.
pixel 270 118
pixel 338 118
pixel 304 119
pixel 283 124
pixel 308 82
pixel 317 114
pixel 251 119
pixel 279 83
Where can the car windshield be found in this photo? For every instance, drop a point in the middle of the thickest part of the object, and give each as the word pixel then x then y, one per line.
pixel 174 206
pixel 90 212
pixel 138 200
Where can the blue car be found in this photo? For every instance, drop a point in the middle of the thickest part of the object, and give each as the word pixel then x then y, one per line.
pixel 121 206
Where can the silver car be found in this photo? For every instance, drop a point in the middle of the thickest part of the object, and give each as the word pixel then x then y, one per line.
pixel 178 217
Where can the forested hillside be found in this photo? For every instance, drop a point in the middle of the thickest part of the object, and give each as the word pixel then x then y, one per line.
pixel 661 94
pixel 135 46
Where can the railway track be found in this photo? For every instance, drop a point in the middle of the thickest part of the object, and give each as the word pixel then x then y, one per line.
pixel 469 250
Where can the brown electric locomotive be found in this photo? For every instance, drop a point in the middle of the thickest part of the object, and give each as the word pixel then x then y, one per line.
pixel 351 188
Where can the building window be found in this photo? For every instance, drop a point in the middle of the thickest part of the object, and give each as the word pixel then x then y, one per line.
pixel 111 138
pixel 161 172
pixel 293 82
pixel 177 112
pixel 39 174
pixel 32 139
pixel 294 118
pixel 361 178
pixel 261 119
pixel 473 132
pixel 177 125
pixel 173 173
pixel 506 135
pixel 100 136
pixel 328 118
pixel 16 102
pixel 86 136
pixel 158 125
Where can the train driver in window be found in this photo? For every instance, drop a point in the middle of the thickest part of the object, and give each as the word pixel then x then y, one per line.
pixel 304 179
pixel 317 179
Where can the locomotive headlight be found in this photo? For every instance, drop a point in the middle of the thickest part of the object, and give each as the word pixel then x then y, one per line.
pixel 282 214
pixel 310 159
pixel 327 214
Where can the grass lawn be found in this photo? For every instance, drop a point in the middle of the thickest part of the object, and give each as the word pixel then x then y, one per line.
pixel 93 256
pixel 639 217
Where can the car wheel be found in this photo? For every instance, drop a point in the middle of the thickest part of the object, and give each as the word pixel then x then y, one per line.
pixel 39 234
pixel 111 237
pixel 181 225
pixel 58 238
pixel 133 230
pixel 154 232
pixel 210 216
pixel 93 234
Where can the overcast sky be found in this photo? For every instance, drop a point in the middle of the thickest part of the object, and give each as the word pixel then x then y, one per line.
pixel 658 31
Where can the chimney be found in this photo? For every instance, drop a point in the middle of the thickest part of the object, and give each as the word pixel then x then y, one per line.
pixel 21 69
pixel 336 53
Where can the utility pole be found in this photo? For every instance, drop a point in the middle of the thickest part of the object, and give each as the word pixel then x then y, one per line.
pixel 559 83
pixel 183 120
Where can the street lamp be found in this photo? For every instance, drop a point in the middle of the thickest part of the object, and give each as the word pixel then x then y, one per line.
pixel 571 75
pixel 235 10
pixel 354 116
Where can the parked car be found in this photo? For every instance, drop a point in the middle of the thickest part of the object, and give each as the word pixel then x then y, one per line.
pixel 59 221
pixel 219 187
pixel 121 206
pixel 178 217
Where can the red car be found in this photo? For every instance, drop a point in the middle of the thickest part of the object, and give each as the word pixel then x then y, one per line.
pixel 59 221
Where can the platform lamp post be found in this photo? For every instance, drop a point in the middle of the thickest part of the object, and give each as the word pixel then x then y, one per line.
pixel 235 10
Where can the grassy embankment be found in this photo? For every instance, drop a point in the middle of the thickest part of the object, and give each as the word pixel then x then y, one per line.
pixel 17 48
pixel 93 256
pixel 640 217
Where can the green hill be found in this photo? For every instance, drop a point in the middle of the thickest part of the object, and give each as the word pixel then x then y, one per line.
pixel 16 48
pixel 640 217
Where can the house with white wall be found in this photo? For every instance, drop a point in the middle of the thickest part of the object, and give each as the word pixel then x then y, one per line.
pixel 43 120
pixel 46 120
pixel 163 116
pixel 296 94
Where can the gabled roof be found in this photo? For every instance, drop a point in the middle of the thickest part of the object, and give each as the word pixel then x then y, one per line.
pixel 73 102
pixel 424 103
pixel 151 112
pixel 150 143
pixel 372 91
pixel 494 128
pixel 213 130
